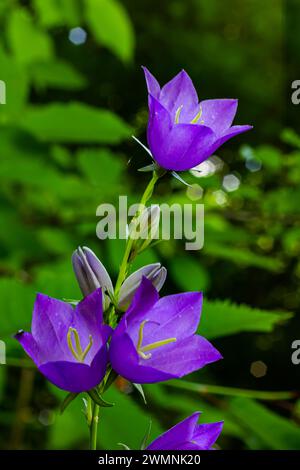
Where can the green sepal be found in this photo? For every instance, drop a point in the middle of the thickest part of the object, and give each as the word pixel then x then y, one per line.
pixel 97 398
pixel 140 389
pixel 146 436
pixel 67 400
pixel 109 380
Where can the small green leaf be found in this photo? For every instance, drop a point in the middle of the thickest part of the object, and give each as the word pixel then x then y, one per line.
pixel 66 402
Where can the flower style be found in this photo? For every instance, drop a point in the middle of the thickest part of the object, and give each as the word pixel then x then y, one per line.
pixel 155 339
pixel 188 435
pixel 182 132
pixel 92 274
pixel 69 346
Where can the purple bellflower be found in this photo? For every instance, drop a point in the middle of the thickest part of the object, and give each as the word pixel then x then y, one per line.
pixel 155 339
pixel 188 435
pixel 183 132
pixel 69 346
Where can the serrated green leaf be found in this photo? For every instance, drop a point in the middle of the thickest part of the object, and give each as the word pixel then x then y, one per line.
pixel 223 318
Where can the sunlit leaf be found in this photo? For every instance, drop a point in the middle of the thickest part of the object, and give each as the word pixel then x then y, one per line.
pixel 111 26
pixel 28 43
pixel 75 122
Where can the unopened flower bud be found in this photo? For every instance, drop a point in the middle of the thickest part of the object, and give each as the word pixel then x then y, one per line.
pixel 155 272
pixel 91 274
pixel 146 227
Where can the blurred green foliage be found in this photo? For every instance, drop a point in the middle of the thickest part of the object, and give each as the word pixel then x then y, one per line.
pixel 65 148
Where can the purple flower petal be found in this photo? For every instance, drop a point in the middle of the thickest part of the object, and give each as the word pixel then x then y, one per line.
pixel 229 134
pixel 207 434
pixel 172 316
pixel 188 435
pixel 155 339
pixel 152 84
pixel 184 356
pixel 180 93
pixel 68 345
pixel 218 114
pixel 176 147
pixel 87 318
pixel 50 324
pixel 30 346
pixel 177 434
pixel 144 298
pixel 76 377
pixel 159 125
pixel 122 347
pixel 155 272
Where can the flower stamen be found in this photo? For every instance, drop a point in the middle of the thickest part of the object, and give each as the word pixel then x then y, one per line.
pixel 177 114
pixel 77 352
pixel 149 347
pixel 197 117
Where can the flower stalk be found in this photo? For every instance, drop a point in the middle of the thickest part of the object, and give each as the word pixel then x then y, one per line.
pixel 127 258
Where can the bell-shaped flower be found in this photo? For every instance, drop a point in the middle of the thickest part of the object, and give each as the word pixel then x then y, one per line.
pixel 68 345
pixel 156 338
pixel 188 435
pixel 183 132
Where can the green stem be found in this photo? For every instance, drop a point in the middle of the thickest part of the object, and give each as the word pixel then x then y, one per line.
pixel 121 277
pixel 94 427
pixel 126 258
pixel 230 391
